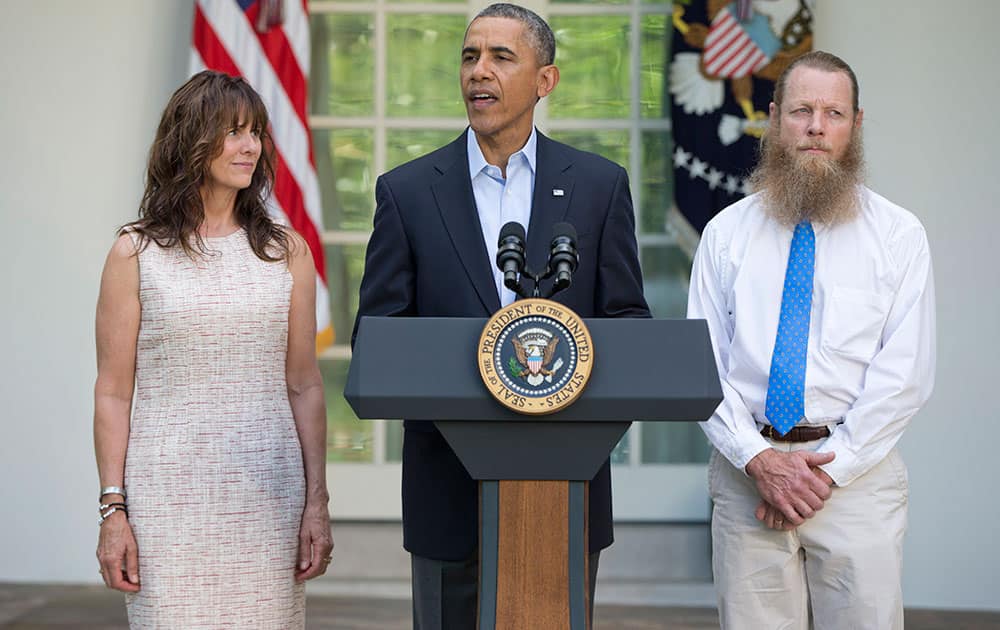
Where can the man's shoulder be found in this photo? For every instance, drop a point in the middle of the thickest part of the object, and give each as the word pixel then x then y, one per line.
pixel 891 215
pixel 736 214
pixel 894 226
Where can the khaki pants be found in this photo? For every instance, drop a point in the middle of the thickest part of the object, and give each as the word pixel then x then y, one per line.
pixel 839 570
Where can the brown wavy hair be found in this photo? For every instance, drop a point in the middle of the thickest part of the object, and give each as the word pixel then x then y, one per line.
pixel 191 134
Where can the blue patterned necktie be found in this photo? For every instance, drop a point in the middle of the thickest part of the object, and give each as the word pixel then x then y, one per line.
pixel 787 382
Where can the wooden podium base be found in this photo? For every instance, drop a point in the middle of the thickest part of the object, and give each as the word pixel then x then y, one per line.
pixel 533 555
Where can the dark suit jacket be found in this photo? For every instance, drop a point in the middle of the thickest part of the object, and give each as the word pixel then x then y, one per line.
pixel 426 257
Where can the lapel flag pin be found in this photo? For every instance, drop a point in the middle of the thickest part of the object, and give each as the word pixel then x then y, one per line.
pixel 558 192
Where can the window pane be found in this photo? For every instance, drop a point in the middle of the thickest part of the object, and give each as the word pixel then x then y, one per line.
pixel 394 441
pixel 344 169
pixel 348 439
pixel 344 266
pixel 673 443
pixel 342 73
pixel 407 144
pixel 656 32
pixel 666 271
pixel 593 58
pixel 611 143
pixel 620 454
pixel 424 52
pixel 657 182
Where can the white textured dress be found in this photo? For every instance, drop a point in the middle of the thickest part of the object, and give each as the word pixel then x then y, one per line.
pixel 214 468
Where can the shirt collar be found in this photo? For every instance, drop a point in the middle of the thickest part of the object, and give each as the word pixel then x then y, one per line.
pixel 477 162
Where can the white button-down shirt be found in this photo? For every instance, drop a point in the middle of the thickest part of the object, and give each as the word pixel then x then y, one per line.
pixel 871 355
pixel 500 200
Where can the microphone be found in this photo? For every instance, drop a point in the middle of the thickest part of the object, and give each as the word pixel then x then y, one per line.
pixel 510 255
pixel 563 257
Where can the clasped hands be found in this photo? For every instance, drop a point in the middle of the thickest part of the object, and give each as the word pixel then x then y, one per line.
pixel 791 485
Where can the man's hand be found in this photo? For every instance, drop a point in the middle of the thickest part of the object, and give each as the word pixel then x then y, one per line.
pixel 773 518
pixel 788 483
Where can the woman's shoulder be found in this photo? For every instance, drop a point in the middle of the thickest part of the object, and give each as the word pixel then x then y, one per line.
pixel 121 267
pixel 297 245
pixel 127 244
pixel 300 260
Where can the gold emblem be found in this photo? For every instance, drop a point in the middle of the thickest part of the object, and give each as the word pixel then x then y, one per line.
pixel 535 356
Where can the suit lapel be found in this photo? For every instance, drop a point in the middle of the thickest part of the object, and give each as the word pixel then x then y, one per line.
pixel 457 205
pixel 548 204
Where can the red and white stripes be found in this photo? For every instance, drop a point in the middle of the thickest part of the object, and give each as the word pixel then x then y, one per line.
pixel 729 52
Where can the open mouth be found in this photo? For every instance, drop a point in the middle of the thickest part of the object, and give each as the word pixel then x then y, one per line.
pixel 482 97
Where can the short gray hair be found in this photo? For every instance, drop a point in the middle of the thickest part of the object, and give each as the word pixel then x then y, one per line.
pixel 539 32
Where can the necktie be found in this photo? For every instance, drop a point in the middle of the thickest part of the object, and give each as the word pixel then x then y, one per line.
pixel 786 384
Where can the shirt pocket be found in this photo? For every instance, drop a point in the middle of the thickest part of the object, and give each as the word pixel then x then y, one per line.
pixel 853 320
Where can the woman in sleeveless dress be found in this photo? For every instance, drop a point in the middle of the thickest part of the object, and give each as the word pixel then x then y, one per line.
pixel 213 489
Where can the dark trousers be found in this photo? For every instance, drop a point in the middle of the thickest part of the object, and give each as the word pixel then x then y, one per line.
pixel 444 593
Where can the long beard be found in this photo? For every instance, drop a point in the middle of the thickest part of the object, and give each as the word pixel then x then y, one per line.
pixel 798 186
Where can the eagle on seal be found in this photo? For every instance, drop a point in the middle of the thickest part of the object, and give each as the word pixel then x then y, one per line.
pixel 534 357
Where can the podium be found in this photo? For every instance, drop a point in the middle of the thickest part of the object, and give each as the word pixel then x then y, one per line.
pixel 532 470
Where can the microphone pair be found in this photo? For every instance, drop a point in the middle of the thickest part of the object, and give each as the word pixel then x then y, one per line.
pixel 563 257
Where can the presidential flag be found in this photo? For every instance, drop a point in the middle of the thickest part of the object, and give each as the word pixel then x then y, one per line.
pixel 725 59
pixel 267 43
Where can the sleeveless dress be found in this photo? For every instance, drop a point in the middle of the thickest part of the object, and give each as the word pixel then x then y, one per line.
pixel 213 470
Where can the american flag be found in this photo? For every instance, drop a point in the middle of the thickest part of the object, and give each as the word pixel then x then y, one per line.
pixel 267 43
pixel 737 46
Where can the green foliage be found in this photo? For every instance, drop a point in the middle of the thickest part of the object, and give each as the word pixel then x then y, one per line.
pixel 345 264
pixel 348 439
pixel 344 168
pixel 342 81
pixel 423 54
pixel 592 53
pixel 514 368
pixel 404 145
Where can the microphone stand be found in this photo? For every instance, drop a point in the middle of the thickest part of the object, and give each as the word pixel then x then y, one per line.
pixel 536 280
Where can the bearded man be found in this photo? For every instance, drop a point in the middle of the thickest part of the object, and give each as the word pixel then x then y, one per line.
pixel 819 297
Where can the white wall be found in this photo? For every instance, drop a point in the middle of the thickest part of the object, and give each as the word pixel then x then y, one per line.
pixel 930 88
pixel 83 85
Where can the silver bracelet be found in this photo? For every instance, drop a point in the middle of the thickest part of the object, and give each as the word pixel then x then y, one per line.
pixel 113 490
pixel 105 515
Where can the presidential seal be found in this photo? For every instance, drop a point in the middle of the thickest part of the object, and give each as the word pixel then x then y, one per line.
pixel 535 356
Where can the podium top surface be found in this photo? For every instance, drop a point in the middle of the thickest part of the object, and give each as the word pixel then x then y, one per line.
pixel 424 368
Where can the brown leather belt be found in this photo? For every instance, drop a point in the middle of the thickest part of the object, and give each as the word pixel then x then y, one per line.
pixel 796 434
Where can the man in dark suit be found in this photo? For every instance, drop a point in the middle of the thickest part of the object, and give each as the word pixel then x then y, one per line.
pixel 437 223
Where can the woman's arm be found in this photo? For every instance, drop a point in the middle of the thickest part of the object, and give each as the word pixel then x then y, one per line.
pixel 305 393
pixel 118 315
